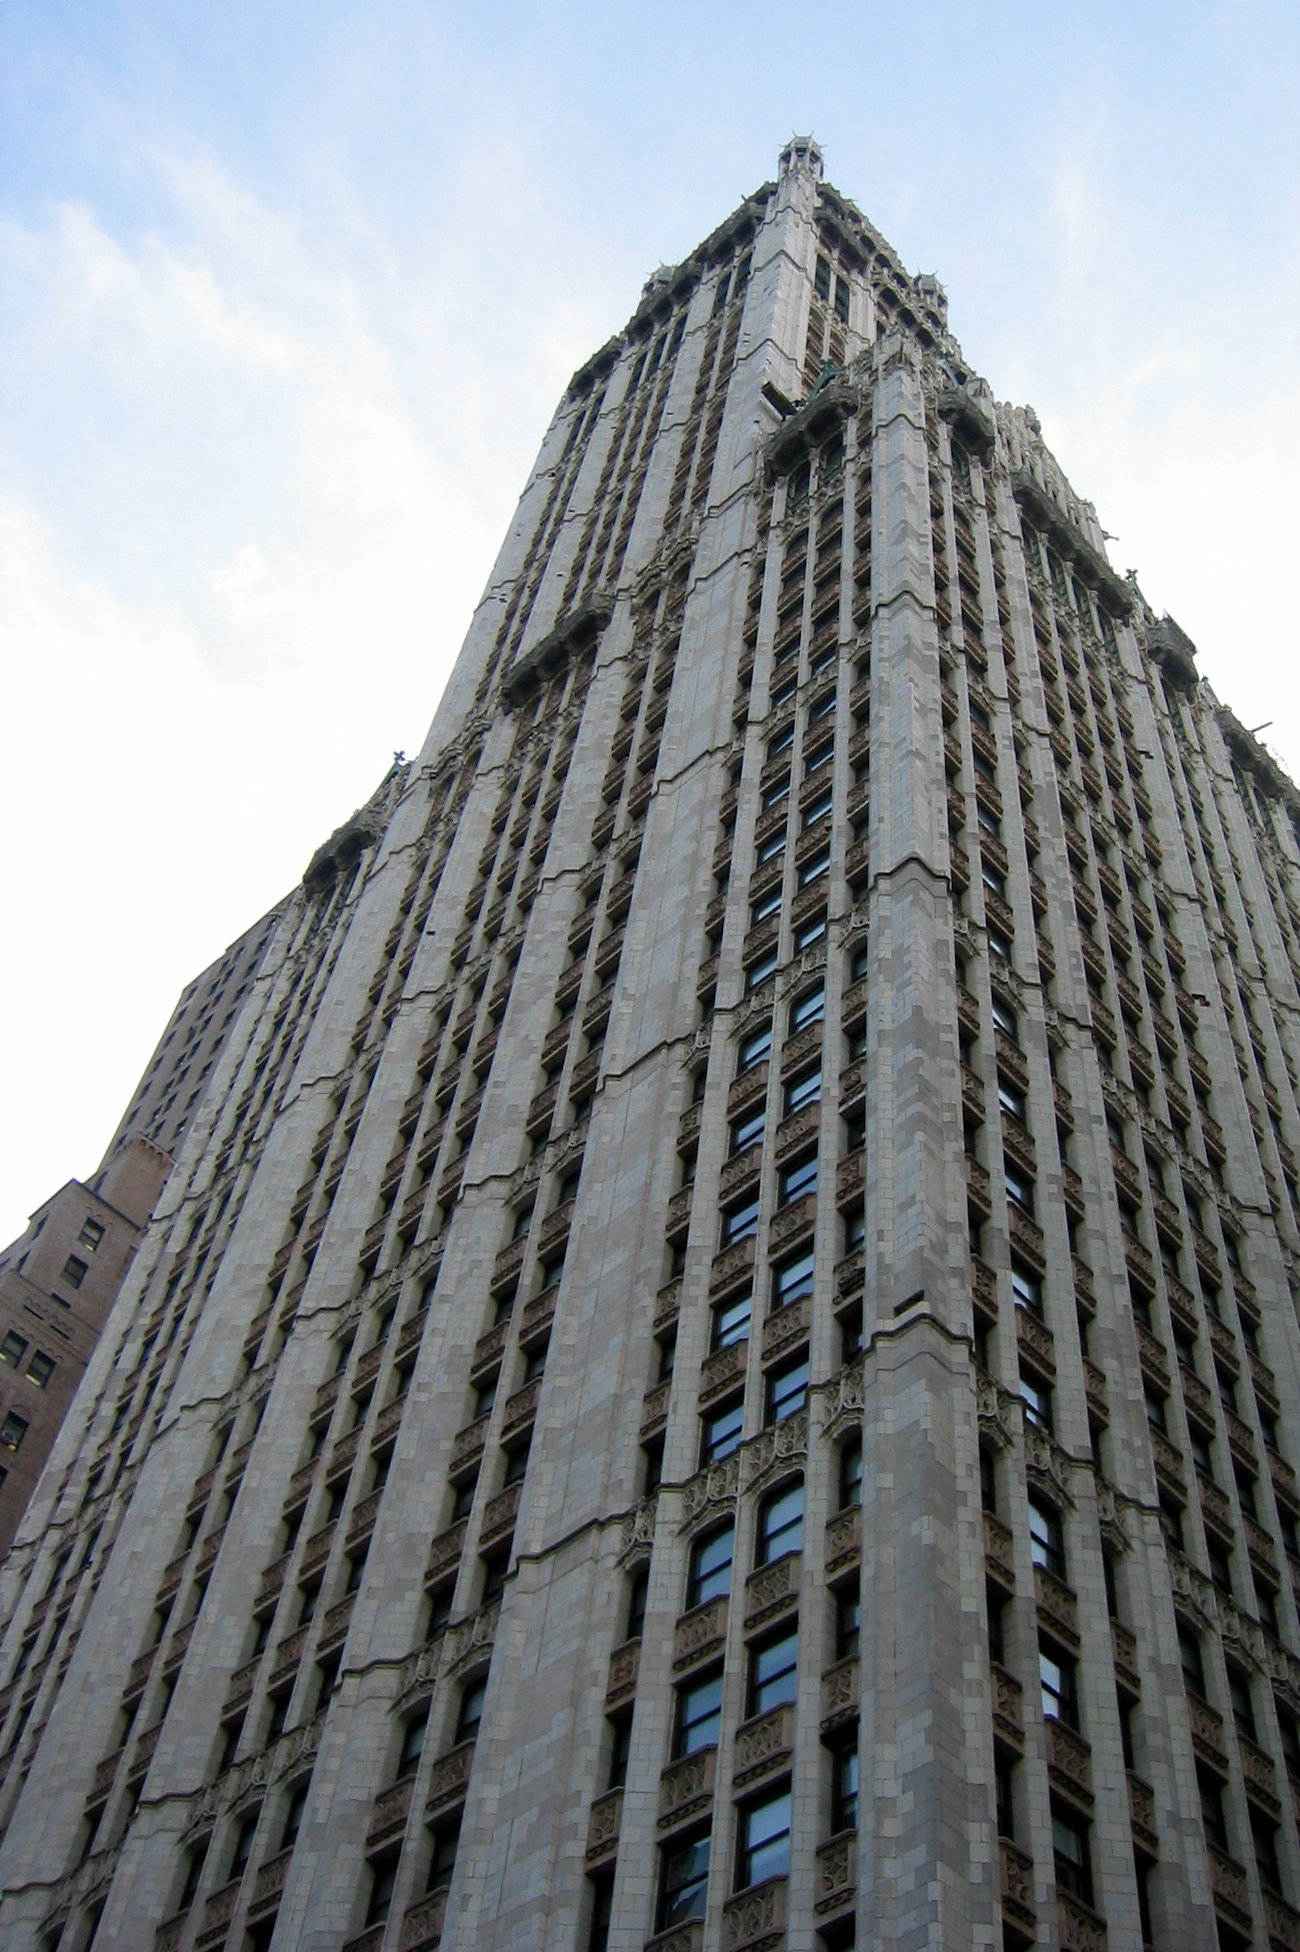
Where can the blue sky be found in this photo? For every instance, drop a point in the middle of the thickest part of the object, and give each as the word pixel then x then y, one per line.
pixel 288 294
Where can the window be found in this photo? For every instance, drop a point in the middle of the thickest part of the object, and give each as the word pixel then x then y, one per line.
pixel 1005 1019
pixel 13 1348
pixel 471 1708
pixel 13 1430
pixel 75 1270
pixel 1020 1191
pixel 787 1391
pixel 763 1846
pixel 791 1281
pixel 1012 1102
pixel 806 1089
pixel 769 904
pixel 747 1131
pixel 244 1842
pixel 844 1790
pixel 1243 1708
pixel 1070 1852
pixel 383 1882
pixel 721 1433
pixel 699 1715
pixel 637 1597
pixel 1263 1837
pixel 816 810
pixel 778 791
pixel 767 850
pixel 92 1232
pixel 1289 1731
pixel 1058 1684
pixel 814 868
pixel 808 1008
pixel 814 761
pixel 620 1752
pixel 684 1875
pixel 293 1816
pixel 780 1524
pixel 1037 1399
pixel 851 1473
pixel 758 972
pixel 442 1862
pixel 1026 1289
pixel 412 1748
pixel 740 1222
pixel 754 1049
pixel 773 1672
pixel 710 1574
pixel 795 1182
pixel 1189 1655
pixel 848 1623
pixel 195 1859
pixel 731 1321
pixel 1212 1816
pixel 1046 1538
pixel 809 932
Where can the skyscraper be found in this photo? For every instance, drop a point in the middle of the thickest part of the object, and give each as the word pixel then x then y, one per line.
pixel 718 1368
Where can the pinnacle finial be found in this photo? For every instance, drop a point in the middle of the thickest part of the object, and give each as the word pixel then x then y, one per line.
pixel 802 152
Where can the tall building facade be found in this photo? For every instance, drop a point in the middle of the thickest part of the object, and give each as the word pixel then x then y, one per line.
pixel 719 1367
pixel 62 1276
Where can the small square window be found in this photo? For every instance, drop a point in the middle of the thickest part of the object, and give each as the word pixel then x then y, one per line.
pixel 41 1368
pixel 75 1270
pixel 13 1348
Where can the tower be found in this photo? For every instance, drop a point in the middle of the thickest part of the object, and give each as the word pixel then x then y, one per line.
pixel 715 1369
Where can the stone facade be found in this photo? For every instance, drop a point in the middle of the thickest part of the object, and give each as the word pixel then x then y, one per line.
pixel 718 1368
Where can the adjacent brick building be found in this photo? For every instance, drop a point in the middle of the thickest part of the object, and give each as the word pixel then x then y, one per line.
pixel 61 1277
pixel 719 1365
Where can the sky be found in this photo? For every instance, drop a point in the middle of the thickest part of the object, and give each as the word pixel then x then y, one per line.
pixel 288 295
